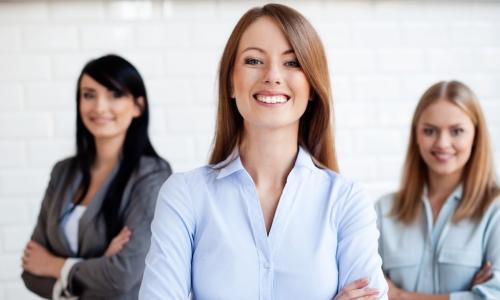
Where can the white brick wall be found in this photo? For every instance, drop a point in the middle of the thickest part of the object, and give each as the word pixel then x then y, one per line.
pixel 382 55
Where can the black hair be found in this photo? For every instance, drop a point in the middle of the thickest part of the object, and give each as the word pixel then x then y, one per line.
pixel 121 77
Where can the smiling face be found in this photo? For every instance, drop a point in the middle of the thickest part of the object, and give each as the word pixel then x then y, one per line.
pixel 106 113
pixel 270 89
pixel 445 136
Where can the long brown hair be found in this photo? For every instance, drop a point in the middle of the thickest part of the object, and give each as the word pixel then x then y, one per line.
pixel 480 187
pixel 315 129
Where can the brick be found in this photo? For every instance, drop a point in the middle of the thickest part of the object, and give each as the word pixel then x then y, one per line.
pixel 13 212
pixel 355 114
pixel 341 88
pixel 187 63
pixel 65 124
pixel 23 182
pixel 170 91
pixel 12 154
pixel 149 65
pixel 24 67
pixel 210 35
pixel 23 12
pixel 472 34
pixel 133 10
pixel 397 10
pixel 443 11
pixel 10 38
pixel 203 147
pixel 109 38
pixel 454 59
pixel 157 122
pixel 194 120
pixel 25 125
pixel 352 11
pixel 422 34
pixel 174 147
pixel 10 97
pixel 163 36
pixel 347 61
pixel 50 96
pixel 77 10
pixel 15 290
pixel 11 266
pixel 204 91
pixel 334 35
pixel 15 238
pixel 381 88
pixel 488 58
pixel 44 153
pixel 50 38
pixel 69 66
pixel 400 60
pixel 396 114
pixel 178 10
pixel 377 34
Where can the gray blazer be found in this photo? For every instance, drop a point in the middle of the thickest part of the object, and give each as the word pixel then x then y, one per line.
pixel 96 276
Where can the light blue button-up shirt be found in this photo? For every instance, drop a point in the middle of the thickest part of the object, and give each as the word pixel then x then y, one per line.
pixel 441 257
pixel 209 237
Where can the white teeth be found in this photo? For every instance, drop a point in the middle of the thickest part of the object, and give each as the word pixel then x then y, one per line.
pixel 271 99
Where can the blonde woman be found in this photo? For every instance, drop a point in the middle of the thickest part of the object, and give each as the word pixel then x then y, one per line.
pixel 443 224
pixel 269 218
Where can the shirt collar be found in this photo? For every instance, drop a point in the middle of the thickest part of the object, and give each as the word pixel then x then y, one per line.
pixel 233 163
pixel 456 195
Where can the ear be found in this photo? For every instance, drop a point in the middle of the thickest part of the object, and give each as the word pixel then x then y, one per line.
pixel 138 106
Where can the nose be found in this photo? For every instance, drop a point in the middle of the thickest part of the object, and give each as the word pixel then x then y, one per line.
pixel 101 105
pixel 273 75
pixel 443 140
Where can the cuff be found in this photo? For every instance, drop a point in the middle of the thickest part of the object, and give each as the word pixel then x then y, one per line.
pixel 68 264
pixel 57 289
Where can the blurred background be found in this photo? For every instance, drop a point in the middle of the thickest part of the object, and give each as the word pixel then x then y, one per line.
pixel 382 56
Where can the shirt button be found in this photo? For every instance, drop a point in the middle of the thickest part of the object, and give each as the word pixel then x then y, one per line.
pixel 266 266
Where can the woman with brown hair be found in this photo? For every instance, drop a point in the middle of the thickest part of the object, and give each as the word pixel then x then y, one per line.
pixel 269 218
pixel 444 222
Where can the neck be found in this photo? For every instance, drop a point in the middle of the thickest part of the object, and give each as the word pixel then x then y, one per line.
pixel 269 156
pixel 108 151
pixel 441 186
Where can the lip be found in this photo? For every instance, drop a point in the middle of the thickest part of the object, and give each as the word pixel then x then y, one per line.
pixel 100 120
pixel 270 94
pixel 442 157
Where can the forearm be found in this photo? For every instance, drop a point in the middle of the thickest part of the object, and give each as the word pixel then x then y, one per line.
pixel 420 296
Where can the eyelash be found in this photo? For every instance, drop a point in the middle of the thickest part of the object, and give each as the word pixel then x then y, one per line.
pixel 255 61
pixel 454 131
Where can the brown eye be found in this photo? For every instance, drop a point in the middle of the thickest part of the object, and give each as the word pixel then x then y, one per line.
pixel 253 61
pixel 88 95
pixel 457 131
pixel 429 131
pixel 292 64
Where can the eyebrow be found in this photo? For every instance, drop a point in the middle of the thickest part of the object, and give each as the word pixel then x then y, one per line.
pixel 262 50
pixel 88 89
pixel 451 126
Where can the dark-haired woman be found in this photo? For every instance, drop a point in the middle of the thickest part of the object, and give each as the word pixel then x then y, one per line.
pixel 93 230
pixel 269 218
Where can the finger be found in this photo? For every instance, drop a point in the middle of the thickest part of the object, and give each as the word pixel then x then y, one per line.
pixel 358 293
pixel 483 278
pixel 357 284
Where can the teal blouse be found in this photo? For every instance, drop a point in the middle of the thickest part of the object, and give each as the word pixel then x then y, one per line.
pixel 441 257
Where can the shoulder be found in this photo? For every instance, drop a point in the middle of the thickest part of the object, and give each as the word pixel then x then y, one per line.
pixel 150 165
pixel 62 167
pixel 384 203
pixel 341 187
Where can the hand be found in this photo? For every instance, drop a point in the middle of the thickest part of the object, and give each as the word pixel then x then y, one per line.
pixel 357 290
pixel 38 261
pixel 394 293
pixel 483 275
pixel 118 242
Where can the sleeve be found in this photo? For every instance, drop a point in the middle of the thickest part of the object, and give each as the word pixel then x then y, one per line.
pixel 119 273
pixel 357 249
pixel 490 289
pixel 168 263
pixel 42 286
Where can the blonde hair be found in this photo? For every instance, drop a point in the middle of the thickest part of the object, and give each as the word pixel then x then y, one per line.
pixel 315 129
pixel 480 187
